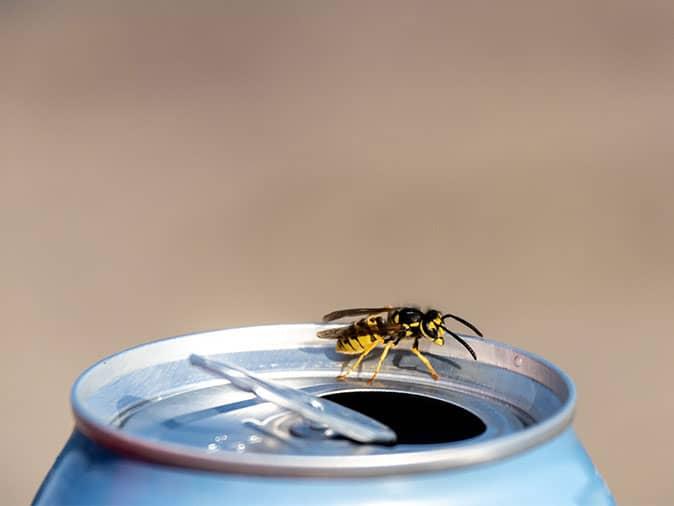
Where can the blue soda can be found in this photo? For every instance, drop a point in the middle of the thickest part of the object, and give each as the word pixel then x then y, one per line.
pixel 151 428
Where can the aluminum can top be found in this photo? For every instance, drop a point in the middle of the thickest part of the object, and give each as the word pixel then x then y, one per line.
pixel 151 403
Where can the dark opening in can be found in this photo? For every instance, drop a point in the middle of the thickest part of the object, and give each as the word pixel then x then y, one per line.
pixel 416 419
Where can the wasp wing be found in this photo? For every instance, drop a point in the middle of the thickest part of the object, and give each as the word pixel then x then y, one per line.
pixel 343 313
pixel 332 333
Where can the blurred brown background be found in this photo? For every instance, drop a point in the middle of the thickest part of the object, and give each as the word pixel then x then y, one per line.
pixel 167 169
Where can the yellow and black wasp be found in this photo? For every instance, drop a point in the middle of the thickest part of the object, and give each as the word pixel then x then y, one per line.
pixel 362 336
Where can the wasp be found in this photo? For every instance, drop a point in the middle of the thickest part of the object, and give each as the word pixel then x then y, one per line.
pixel 362 336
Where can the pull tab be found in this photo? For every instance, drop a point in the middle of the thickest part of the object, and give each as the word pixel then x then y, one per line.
pixel 341 420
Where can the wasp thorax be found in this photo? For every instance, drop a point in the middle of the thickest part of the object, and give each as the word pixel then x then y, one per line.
pixel 409 316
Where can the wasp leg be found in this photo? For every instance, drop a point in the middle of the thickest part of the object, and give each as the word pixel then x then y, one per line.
pixel 365 353
pixel 381 361
pixel 428 365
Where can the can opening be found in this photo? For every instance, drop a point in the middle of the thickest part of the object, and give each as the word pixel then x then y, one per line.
pixel 416 419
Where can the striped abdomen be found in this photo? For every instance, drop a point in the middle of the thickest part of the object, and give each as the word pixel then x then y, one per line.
pixel 360 335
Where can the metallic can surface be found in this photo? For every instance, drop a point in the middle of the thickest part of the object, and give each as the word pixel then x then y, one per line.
pixel 152 429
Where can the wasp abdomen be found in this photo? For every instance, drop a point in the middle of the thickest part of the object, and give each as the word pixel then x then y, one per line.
pixel 361 334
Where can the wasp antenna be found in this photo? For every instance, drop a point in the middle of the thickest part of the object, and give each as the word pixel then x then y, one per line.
pixel 464 322
pixel 458 338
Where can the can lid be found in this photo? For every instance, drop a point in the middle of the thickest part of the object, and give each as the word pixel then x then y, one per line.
pixel 150 402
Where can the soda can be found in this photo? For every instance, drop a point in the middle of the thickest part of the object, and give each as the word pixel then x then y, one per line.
pixel 151 428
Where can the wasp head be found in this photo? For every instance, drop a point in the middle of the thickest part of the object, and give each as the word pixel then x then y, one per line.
pixel 431 326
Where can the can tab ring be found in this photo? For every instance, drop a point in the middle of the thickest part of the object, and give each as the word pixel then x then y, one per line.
pixel 341 420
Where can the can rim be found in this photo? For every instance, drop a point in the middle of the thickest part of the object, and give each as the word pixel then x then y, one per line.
pixel 456 456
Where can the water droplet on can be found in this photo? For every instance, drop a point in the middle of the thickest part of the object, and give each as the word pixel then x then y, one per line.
pixel 518 361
